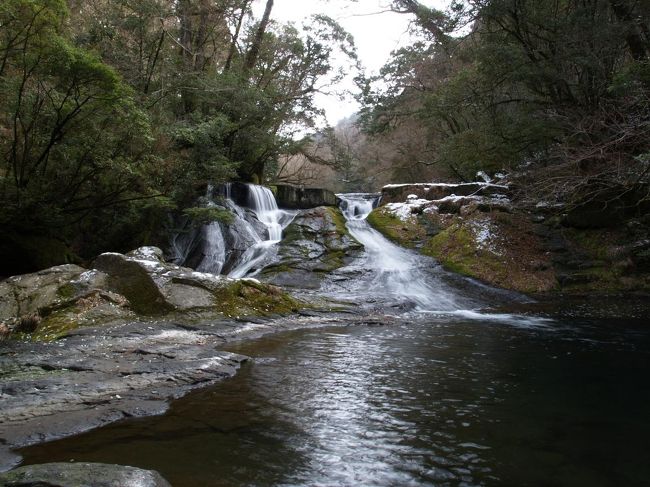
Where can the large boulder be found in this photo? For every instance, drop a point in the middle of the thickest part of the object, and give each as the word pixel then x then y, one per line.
pixel 120 287
pixel 133 278
pixel 81 475
pixel 155 287
pixel 57 299
pixel 316 242
pixel 298 198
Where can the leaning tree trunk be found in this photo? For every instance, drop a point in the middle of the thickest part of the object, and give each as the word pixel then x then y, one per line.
pixel 254 51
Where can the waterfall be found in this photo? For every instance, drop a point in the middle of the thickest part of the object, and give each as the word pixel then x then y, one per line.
pixel 244 246
pixel 215 249
pixel 266 209
pixel 263 204
pixel 394 271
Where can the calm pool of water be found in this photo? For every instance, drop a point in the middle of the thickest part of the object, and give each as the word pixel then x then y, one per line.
pixel 432 401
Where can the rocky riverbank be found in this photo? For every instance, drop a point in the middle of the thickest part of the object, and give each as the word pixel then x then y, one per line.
pixel 84 347
pixel 123 336
pixel 81 474
pixel 478 230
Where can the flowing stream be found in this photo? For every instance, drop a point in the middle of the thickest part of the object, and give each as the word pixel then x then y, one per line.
pixel 390 271
pixel 437 393
pixel 430 401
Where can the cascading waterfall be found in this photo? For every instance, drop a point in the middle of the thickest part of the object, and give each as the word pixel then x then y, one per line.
pixel 245 245
pixel 393 270
pixel 263 204
pixel 265 207
pixel 215 249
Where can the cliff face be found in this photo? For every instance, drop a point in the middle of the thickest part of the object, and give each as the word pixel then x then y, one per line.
pixel 476 230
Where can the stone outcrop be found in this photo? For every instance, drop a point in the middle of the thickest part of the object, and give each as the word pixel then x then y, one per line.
pixel 139 285
pixel 81 474
pixel 50 302
pixel 98 375
pixel 298 198
pixel 316 242
pixel 397 193
pixel 581 248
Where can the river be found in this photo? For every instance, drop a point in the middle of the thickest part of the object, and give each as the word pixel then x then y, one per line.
pixel 430 401
pixel 443 390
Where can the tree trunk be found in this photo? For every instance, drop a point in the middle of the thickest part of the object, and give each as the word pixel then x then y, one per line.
pixel 233 45
pixel 254 51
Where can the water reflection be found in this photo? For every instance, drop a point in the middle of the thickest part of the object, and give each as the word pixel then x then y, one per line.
pixel 437 402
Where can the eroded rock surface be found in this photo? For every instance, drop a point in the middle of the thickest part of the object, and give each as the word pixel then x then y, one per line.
pixel 139 285
pixel 316 242
pixel 297 198
pixel 82 474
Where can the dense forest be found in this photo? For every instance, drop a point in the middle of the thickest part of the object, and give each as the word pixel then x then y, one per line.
pixel 116 113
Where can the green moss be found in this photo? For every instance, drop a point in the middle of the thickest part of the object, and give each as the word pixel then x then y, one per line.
pixel 332 261
pixel 339 221
pixel 406 233
pixel 55 326
pixel 67 291
pixel 457 250
pixel 249 298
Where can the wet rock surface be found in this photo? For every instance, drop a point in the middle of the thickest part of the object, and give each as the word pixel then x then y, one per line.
pixel 96 376
pixel 82 474
pixel 297 198
pixel 316 243
pixel 127 287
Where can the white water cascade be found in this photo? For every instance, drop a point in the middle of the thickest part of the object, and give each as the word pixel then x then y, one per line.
pixel 390 270
pixel 215 249
pixel 263 204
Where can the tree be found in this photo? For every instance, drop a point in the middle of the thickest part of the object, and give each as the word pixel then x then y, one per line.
pixel 522 86
pixel 74 143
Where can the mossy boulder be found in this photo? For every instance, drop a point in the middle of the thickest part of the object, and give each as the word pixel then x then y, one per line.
pixel 248 297
pixel 154 287
pixel 46 304
pixel 81 474
pixel 315 243
pixel 498 249
pixel 408 232
pixel 603 260
pixel 136 286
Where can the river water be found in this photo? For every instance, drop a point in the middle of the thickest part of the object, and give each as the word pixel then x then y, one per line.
pixel 438 392
pixel 429 401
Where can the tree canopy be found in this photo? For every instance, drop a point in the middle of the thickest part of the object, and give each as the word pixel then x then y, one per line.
pixel 114 111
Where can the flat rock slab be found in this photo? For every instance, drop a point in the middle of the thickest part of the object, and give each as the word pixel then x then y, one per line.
pixel 96 376
pixel 81 475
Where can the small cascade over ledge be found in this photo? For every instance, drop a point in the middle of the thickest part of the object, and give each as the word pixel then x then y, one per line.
pixel 242 247
pixel 263 204
pixel 406 277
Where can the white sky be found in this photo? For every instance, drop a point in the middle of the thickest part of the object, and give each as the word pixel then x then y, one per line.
pixel 375 34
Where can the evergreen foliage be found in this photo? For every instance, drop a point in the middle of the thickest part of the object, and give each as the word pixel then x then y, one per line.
pixel 114 112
